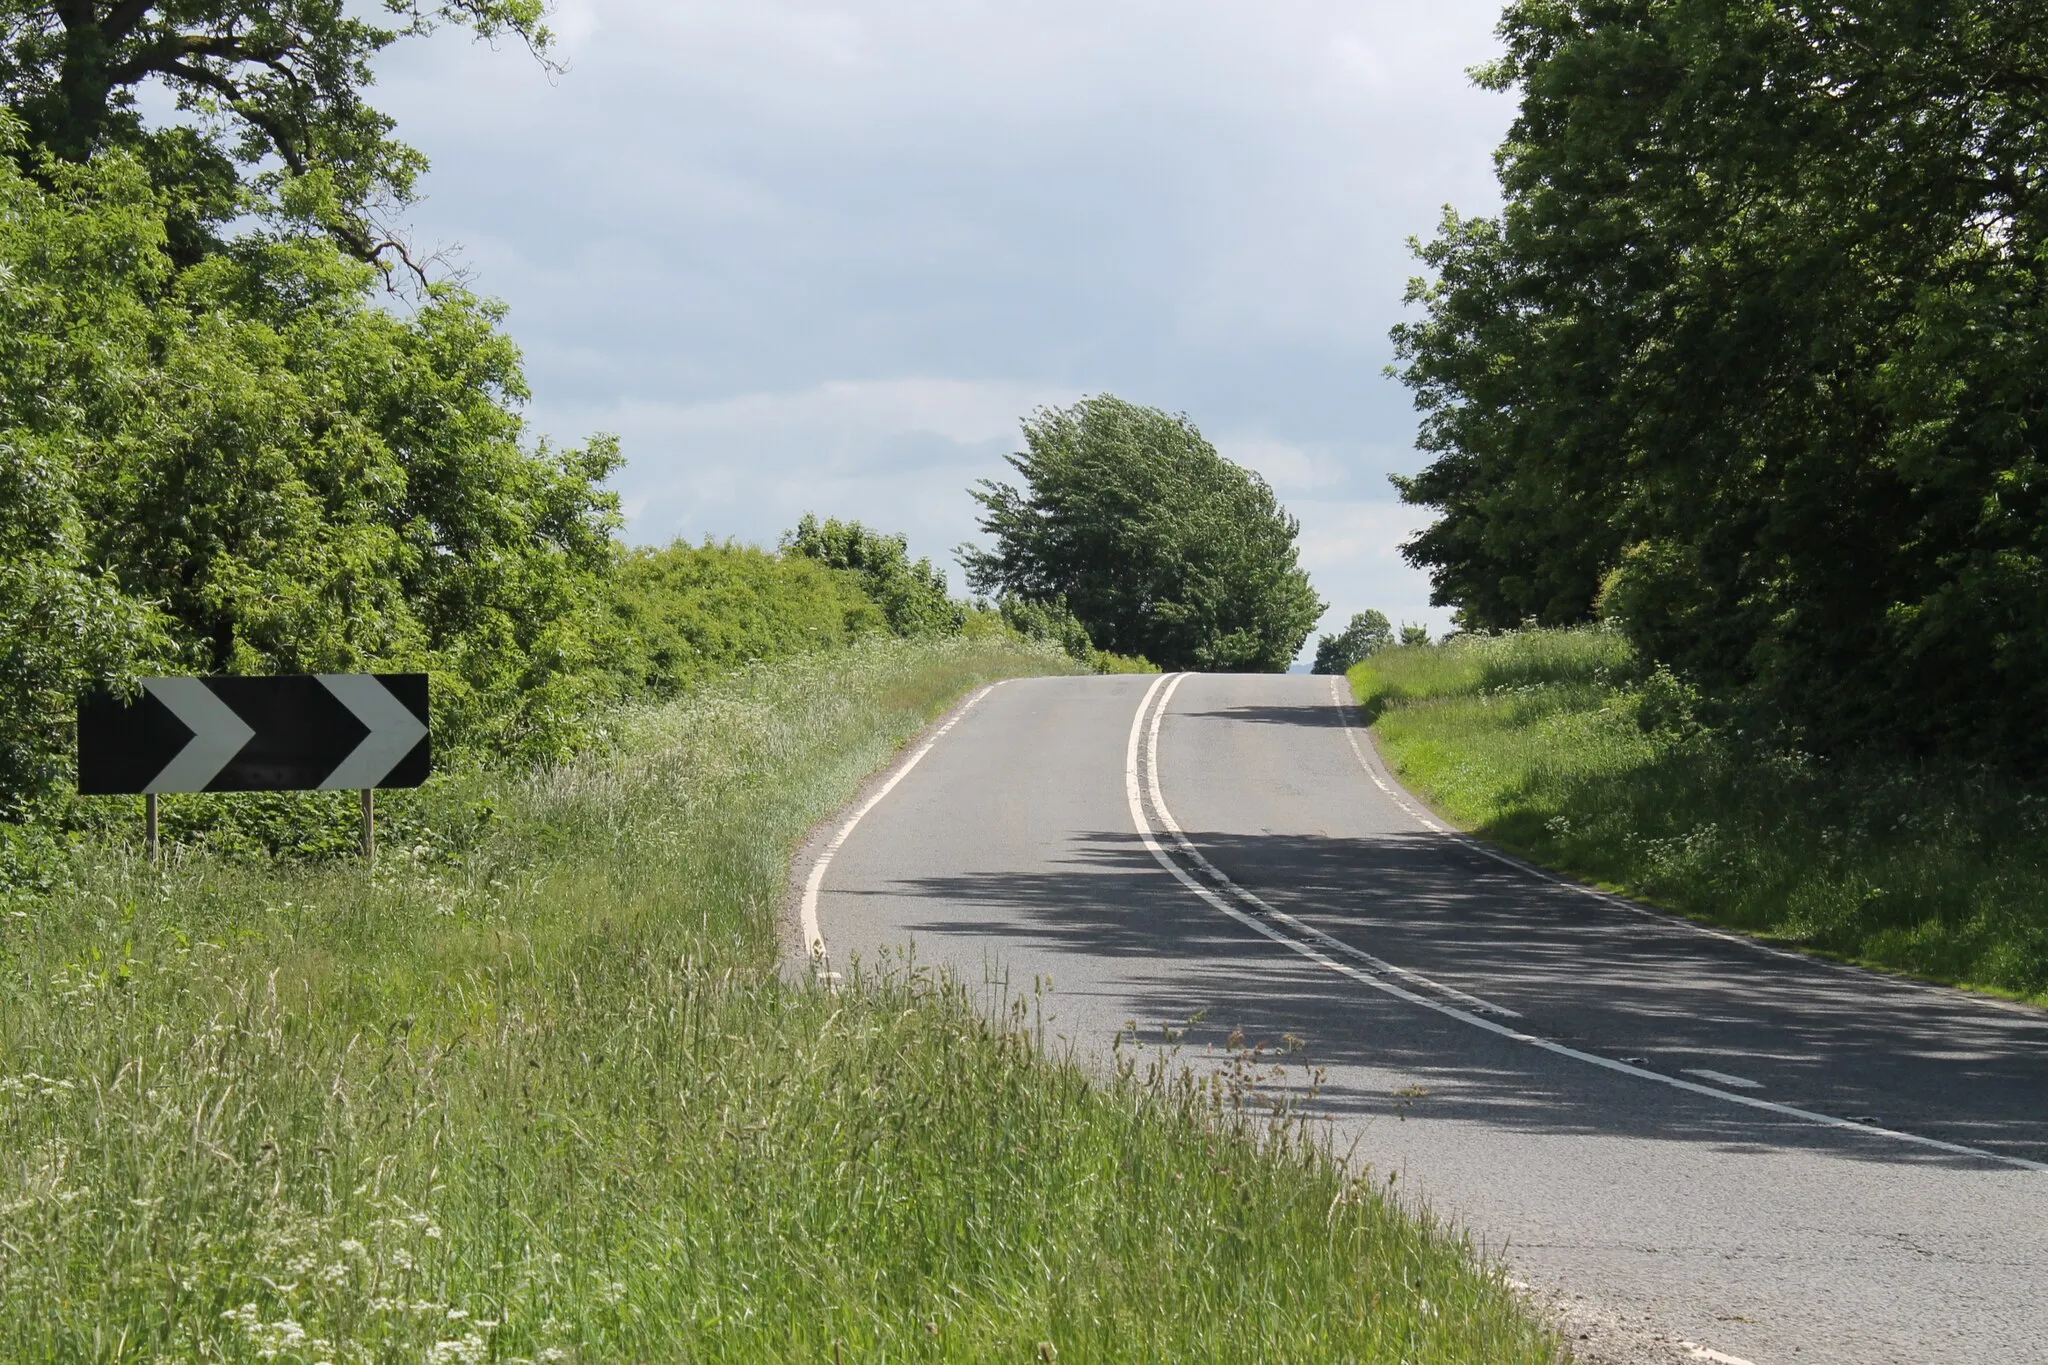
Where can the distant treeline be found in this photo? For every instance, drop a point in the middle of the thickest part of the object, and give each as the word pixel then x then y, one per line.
pixel 1754 362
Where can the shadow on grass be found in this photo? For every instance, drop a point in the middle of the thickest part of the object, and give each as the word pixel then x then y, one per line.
pixel 1939 874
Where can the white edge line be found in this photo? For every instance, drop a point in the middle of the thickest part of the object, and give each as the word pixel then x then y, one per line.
pixel 1313 954
pixel 1618 902
pixel 1707 1073
pixel 814 937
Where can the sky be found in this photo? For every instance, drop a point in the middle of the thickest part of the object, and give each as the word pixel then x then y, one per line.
pixel 822 257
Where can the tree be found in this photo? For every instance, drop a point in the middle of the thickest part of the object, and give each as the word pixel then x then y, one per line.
pixel 1160 546
pixel 1340 653
pixel 1413 635
pixel 1755 359
pixel 244 465
pixel 911 594
pixel 273 90
pixel 1514 389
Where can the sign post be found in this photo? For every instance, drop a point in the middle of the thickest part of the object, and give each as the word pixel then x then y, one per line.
pixel 316 732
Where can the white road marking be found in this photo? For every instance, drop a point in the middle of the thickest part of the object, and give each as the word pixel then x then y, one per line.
pixel 1316 955
pixel 1527 869
pixel 1330 941
pixel 814 937
pixel 1722 1078
pixel 1700 1352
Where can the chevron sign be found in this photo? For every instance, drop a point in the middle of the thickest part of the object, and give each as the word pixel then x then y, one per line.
pixel 323 731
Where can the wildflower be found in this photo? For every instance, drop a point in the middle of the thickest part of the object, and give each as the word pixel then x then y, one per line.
pixel 464 1350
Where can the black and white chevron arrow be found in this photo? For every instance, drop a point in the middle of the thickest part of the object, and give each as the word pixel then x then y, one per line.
pixel 298 733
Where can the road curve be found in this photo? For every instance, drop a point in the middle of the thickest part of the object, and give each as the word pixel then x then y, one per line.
pixel 1687 1136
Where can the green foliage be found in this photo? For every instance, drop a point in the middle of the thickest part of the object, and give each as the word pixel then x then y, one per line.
pixel 550 1093
pixel 1050 621
pixel 1525 527
pixel 1161 547
pixel 1053 623
pixel 912 595
pixel 1102 661
pixel 241 465
pixel 1369 630
pixel 273 94
pixel 687 613
pixel 1560 745
pixel 1756 358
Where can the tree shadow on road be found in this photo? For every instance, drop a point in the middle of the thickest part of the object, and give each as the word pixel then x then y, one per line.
pixel 1579 970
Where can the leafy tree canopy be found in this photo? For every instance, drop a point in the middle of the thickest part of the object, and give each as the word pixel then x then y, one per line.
pixel 1340 653
pixel 1160 546
pixel 243 465
pixel 273 94
pixel 1755 359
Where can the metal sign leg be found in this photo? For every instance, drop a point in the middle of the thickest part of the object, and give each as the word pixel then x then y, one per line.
pixel 369 825
pixel 149 826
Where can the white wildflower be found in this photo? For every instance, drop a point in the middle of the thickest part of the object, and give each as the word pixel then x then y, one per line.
pixel 274 1339
pixel 464 1350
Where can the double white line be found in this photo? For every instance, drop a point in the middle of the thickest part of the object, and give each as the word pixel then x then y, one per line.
pixel 1141 781
pixel 1142 759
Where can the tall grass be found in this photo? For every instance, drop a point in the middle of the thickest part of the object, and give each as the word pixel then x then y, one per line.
pixel 1556 744
pixel 538 1093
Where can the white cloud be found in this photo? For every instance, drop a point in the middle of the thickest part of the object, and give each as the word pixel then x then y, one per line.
pixel 804 254
pixel 898 454
pixel 1352 553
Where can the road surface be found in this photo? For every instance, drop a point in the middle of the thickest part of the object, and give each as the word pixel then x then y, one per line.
pixel 1677 1135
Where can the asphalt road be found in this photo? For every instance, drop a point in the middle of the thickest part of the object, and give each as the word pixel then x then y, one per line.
pixel 1678 1135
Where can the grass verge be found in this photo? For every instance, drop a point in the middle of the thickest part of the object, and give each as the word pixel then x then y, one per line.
pixel 1554 745
pixel 537 1093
